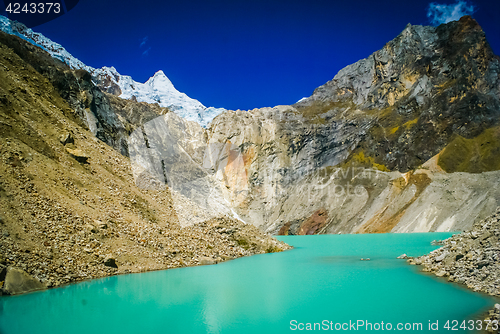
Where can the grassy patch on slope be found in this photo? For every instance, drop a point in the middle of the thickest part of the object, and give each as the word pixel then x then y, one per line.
pixel 476 155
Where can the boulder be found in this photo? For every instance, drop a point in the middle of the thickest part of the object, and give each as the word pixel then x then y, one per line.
pixel 66 138
pixel 110 262
pixel 18 281
pixel 78 155
pixel 100 224
pixel 482 263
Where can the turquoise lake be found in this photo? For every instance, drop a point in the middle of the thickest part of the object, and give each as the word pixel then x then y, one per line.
pixel 322 279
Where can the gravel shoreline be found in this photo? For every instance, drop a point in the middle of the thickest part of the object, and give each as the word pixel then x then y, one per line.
pixel 471 258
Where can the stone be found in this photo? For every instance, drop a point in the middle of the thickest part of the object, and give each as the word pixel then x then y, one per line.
pixel 110 262
pixel 78 155
pixel 449 259
pixel 403 256
pixel 66 138
pixel 441 257
pixel 441 273
pixel 207 261
pixel 485 235
pixel 100 224
pixel 482 264
pixel 18 281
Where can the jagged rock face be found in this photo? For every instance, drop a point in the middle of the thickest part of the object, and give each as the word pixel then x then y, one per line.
pixel 278 147
pixel 364 148
pixel 107 80
pixel 170 151
pixel 107 117
pixel 421 90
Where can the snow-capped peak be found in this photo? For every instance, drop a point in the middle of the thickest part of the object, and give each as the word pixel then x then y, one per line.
pixel 160 82
pixel 157 89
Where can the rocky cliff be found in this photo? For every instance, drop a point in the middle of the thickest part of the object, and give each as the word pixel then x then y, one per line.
pixel 102 114
pixel 71 208
pixel 405 140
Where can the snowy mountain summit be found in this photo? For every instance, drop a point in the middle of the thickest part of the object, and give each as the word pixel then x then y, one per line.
pixel 157 89
pixel 160 81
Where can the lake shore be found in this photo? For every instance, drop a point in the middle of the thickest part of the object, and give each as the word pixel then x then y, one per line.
pixel 217 240
pixel 471 258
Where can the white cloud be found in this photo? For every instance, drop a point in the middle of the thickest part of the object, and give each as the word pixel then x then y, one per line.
pixel 443 13
pixel 143 42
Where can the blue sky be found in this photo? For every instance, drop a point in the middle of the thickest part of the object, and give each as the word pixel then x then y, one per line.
pixel 246 54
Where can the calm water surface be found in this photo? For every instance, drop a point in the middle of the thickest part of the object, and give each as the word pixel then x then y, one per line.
pixel 321 279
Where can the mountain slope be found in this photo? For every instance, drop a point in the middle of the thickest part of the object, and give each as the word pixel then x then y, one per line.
pixel 158 89
pixel 369 151
pixel 422 90
pixel 405 140
pixel 71 208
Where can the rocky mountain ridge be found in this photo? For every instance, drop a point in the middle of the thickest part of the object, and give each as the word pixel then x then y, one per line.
pixel 158 89
pixel 406 140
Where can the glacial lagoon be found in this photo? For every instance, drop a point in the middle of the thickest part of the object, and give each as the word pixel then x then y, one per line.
pixel 321 281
